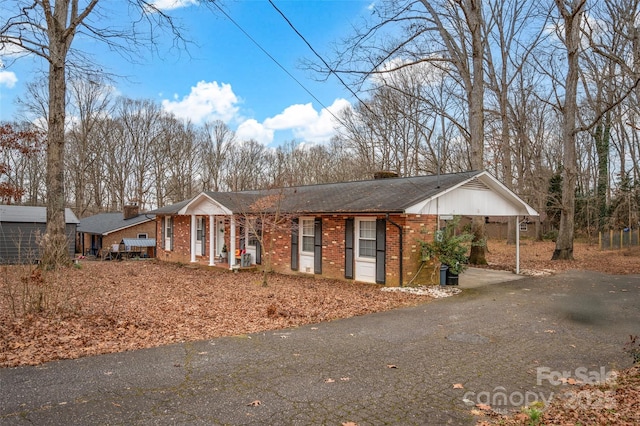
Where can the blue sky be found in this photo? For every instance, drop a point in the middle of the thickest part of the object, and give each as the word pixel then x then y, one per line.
pixel 226 76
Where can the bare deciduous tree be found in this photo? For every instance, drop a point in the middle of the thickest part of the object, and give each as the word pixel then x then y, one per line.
pixel 47 30
pixel 217 138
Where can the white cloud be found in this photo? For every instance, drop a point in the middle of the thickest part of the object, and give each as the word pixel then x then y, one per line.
pixel 173 4
pixel 207 101
pixel 322 127
pixel 8 79
pixel 398 71
pixel 292 117
pixel 251 129
pixel 303 121
pixel 210 101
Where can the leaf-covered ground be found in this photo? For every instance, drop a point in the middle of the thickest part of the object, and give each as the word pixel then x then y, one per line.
pixel 118 306
pixel 536 257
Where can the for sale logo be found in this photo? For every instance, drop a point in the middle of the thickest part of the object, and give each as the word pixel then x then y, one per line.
pixel 581 375
pixel 499 398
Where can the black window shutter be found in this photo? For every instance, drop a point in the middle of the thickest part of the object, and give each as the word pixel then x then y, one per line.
pixel 317 246
pixel 294 244
pixel 381 244
pixel 348 248
pixel 171 231
pixel 162 231
pixel 258 253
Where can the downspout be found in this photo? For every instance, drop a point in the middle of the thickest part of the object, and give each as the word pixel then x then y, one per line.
pixel 400 250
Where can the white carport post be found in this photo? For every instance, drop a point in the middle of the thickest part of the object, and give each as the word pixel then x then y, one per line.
pixel 517 245
pixel 232 243
pixel 193 238
pixel 211 241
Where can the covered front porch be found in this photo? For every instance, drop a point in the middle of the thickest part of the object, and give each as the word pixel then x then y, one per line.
pixel 217 236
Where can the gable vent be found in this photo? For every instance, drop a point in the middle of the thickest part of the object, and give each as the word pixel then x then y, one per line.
pixel 476 185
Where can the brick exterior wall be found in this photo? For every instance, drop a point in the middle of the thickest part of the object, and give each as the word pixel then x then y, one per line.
pixel 277 247
pixel 132 232
pixel 181 240
pixel 148 228
pixel 419 228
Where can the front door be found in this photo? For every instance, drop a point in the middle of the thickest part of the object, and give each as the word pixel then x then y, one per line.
pixel 365 250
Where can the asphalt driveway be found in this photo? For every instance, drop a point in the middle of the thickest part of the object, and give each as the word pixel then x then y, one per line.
pixel 504 343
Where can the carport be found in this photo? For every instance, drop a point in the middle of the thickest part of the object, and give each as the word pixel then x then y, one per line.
pixel 482 195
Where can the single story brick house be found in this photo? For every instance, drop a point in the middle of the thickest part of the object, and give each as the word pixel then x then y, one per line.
pixel 367 231
pixel 103 230
pixel 21 228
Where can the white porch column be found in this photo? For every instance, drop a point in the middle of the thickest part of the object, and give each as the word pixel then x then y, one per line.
pixel 211 240
pixel 518 245
pixel 232 243
pixel 193 238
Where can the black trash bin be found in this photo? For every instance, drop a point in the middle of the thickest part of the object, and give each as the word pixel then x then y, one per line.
pixel 452 279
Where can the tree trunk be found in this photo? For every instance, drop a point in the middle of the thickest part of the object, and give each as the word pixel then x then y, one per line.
pixel 572 20
pixel 54 242
pixel 602 141
pixel 476 121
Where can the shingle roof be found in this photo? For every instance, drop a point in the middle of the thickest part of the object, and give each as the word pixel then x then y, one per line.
pixel 31 214
pixel 368 196
pixel 105 223
pixel 170 209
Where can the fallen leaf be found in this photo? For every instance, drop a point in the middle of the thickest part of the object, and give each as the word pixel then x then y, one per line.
pixel 522 417
pixel 484 407
pixel 392 366
pixel 349 424
pixel 458 386
pixel 549 331
pixel 477 412
pixel 344 379
pixel 329 380
pixel 254 403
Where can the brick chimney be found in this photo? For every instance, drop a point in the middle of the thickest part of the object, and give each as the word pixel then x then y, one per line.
pixel 131 211
pixel 384 174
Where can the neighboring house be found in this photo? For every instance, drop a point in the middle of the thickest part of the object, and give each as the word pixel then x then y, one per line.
pixel 21 228
pixel 104 230
pixel 366 231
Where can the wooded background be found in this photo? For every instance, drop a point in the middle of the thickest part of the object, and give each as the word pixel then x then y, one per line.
pixel 411 67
